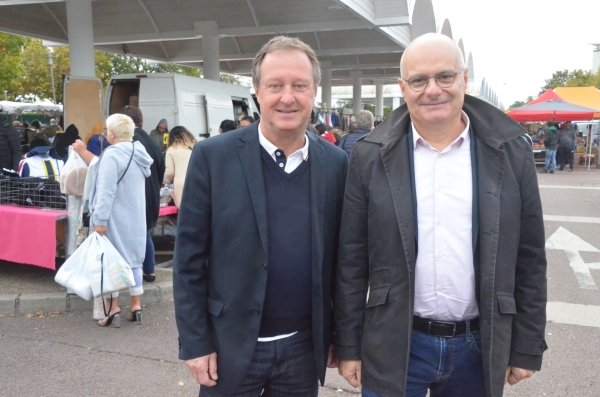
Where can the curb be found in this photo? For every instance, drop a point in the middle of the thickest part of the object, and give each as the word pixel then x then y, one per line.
pixel 20 304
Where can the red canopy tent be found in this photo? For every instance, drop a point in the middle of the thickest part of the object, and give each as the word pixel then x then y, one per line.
pixel 523 114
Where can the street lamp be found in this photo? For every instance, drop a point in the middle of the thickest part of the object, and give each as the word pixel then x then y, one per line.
pixel 50 63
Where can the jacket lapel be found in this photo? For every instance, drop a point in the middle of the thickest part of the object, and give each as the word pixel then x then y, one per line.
pixel 249 152
pixel 396 162
pixel 318 191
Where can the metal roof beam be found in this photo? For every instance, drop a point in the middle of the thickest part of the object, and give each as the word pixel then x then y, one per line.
pixel 253 13
pixel 55 19
pixel 324 53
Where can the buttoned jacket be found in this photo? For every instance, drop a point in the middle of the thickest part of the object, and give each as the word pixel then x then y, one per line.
pixel 378 252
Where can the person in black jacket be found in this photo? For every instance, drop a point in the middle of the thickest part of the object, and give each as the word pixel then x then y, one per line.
pixel 10 148
pixel 66 139
pixel 153 184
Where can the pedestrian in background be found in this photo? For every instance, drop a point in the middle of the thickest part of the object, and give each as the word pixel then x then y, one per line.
pixel 181 143
pixel 152 187
pixel 567 141
pixel 117 207
pixel 551 145
pixel 160 135
pixel 10 147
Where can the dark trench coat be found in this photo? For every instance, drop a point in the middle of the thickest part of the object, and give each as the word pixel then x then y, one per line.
pixel 378 250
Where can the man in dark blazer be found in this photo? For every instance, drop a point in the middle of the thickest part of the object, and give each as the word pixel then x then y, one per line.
pixel 257 239
pixel 443 231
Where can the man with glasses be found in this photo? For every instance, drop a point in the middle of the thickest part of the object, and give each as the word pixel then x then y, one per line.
pixel 441 278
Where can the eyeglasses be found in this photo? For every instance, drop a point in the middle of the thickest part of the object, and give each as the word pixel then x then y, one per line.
pixel 443 79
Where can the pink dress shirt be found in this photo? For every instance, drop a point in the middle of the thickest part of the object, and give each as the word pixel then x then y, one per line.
pixel 444 275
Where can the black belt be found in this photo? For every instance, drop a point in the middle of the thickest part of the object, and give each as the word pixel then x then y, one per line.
pixel 445 329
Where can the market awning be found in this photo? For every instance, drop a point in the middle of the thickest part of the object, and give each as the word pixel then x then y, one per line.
pixel 551 107
pixel 582 96
pixel 47 108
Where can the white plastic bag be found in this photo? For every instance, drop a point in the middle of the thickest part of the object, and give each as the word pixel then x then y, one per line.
pixel 73 274
pixel 72 176
pixel 107 270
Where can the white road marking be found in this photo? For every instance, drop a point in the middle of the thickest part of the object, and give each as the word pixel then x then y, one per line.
pixel 573 313
pixel 566 241
pixel 569 187
pixel 573 219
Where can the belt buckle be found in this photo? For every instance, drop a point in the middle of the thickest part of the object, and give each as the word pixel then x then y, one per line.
pixel 444 323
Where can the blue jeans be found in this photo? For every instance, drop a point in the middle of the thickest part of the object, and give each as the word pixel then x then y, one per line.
pixel 550 157
pixel 281 368
pixel 449 367
pixel 148 264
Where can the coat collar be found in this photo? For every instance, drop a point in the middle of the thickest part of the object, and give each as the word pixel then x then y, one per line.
pixel 490 125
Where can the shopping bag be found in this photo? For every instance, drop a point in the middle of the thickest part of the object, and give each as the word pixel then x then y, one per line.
pixel 107 270
pixel 72 176
pixel 73 274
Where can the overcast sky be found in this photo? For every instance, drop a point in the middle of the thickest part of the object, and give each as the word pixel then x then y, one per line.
pixel 518 44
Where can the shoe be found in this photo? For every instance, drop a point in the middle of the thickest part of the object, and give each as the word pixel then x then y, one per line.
pixel 543 172
pixel 552 172
pixel 136 316
pixel 113 318
pixel 149 277
pixel 570 169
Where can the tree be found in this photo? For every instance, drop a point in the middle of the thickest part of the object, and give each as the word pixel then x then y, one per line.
pixel 576 78
pixel 516 104
pixel 25 74
pixel 558 79
pixel 11 69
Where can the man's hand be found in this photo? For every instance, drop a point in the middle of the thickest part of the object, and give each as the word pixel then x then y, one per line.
pixel 101 230
pixel 332 361
pixel 514 375
pixel 204 369
pixel 350 370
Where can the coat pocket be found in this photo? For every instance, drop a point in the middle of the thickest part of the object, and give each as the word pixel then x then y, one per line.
pixel 215 307
pixel 377 296
pixel 506 303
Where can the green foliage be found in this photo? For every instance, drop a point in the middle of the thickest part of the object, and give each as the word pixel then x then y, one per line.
pixel 25 73
pixel 516 104
pixel 576 78
pixel 11 69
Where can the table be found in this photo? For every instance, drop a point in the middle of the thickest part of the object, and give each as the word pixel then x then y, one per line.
pixel 29 235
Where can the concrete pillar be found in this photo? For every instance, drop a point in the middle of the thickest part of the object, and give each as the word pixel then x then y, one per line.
pixel 378 97
pixel 210 50
pixel 356 91
pixel 81 38
pixel 326 84
pixel 395 102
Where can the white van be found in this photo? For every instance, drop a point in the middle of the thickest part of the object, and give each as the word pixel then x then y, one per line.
pixel 200 105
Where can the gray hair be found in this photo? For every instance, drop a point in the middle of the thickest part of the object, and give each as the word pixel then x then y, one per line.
pixel 433 38
pixel 364 119
pixel 283 43
pixel 121 124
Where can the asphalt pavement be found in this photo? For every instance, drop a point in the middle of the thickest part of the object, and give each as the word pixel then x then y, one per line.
pixel 61 353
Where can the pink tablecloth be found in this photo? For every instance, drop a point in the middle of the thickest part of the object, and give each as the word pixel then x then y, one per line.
pixel 28 235
pixel 170 210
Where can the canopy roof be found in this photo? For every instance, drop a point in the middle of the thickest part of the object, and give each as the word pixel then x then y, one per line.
pixel 551 107
pixel 355 35
pixel 47 108
pixel 582 96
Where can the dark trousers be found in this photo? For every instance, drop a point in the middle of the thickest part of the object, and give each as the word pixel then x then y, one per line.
pixel 566 155
pixel 281 368
pixel 148 265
